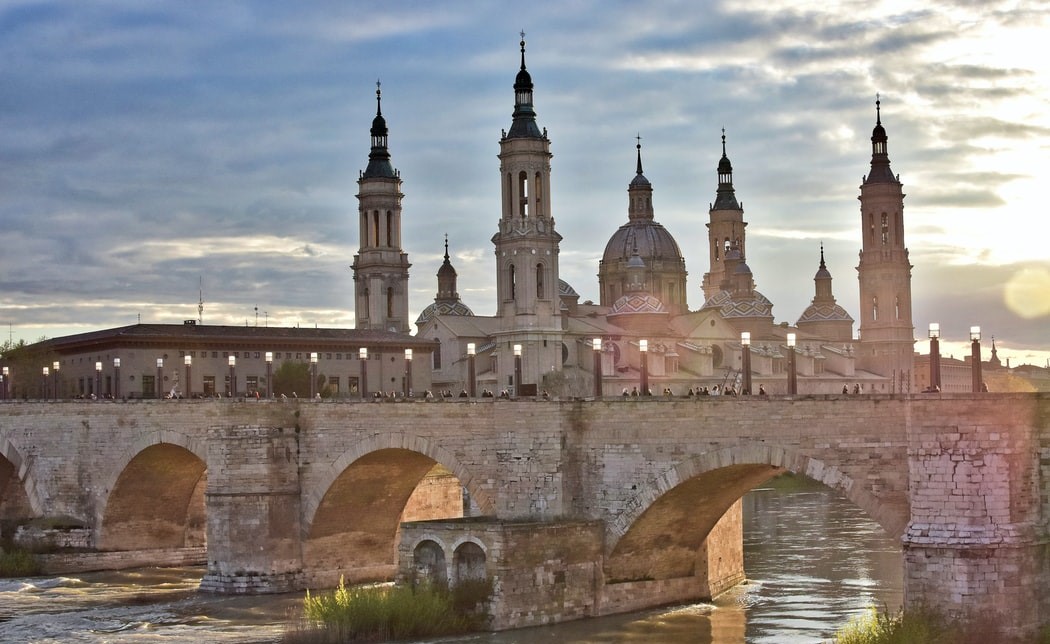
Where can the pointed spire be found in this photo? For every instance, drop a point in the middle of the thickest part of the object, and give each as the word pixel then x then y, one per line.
pixel 639 146
pixel 725 198
pixel 880 159
pixel 822 265
pixel 379 157
pixel 524 124
pixel 446 278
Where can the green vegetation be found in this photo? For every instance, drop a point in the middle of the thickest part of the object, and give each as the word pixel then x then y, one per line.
pixel 921 626
pixel 384 613
pixel 15 562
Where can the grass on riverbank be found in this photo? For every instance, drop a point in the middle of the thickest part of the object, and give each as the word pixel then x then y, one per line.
pixel 16 562
pixel 383 613
pixel 920 626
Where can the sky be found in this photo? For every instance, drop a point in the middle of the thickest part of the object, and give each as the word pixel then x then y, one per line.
pixel 153 153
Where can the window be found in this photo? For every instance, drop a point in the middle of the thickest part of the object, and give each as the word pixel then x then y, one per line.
pixel 513 283
pixel 390 302
pixel 215 354
pixel 437 355
pixel 256 355
pixel 252 384
pixel 209 385
pixel 874 309
pixel 523 188
pixel 338 356
pixel 333 385
pixel 375 228
pixel 885 229
pixel 539 281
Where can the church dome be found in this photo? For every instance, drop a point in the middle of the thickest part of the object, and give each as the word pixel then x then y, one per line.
pixel 444 308
pixel 653 242
pixel 824 313
pixel 754 306
pixel 566 290
pixel 635 303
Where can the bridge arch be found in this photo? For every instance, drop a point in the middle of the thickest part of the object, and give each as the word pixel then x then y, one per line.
pixel 18 489
pixel 375 443
pixel 696 492
pixel 153 497
pixel 352 516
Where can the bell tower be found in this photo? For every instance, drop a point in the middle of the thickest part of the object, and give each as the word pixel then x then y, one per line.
pixel 886 331
pixel 526 244
pixel 725 229
pixel 380 266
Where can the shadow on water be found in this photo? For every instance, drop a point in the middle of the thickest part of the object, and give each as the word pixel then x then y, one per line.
pixel 813 560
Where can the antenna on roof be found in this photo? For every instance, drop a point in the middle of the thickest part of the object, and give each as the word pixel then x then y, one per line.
pixel 200 302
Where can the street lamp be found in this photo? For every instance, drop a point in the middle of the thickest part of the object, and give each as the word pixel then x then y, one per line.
pixel 54 379
pixel 935 356
pixel 471 374
pixel 517 369
pixel 643 352
pixel 313 374
pixel 975 358
pixel 362 353
pixel 188 361
pixel 408 373
pixel 116 378
pixel 745 359
pixel 7 380
pixel 792 373
pixel 160 378
pixel 233 376
pixel 98 380
pixel 43 382
pixel 269 370
pixel 596 345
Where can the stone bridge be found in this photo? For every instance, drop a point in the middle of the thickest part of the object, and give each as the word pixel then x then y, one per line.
pixel 574 509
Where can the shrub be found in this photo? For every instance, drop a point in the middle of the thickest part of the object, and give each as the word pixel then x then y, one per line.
pixel 16 562
pixel 382 613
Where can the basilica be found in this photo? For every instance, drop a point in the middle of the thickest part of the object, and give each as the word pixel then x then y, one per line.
pixel 543 340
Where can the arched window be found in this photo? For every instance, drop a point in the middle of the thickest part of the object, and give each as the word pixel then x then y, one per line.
pixel 874 309
pixel 364 304
pixel 897 307
pixel 716 250
pixel 539 281
pixel 389 228
pixel 437 354
pixel 429 560
pixel 523 195
pixel 390 302
pixel 537 189
pixel 468 562
pixel 513 283
pixel 871 228
pixel 885 229
pixel 375 228
pixel 726 246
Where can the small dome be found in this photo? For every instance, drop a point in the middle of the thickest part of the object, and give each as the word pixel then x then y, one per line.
pixel 636 303
pixel 564 289
pixel 757 306
pixel 523 80
pixel 825 313
pixel 742 268
pixel 379 126
pixel 444 308
pixel 639 180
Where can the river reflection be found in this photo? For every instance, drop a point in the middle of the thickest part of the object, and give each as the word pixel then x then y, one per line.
pixel 813 560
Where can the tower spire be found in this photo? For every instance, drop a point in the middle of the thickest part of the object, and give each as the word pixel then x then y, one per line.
pixel 524 124
pixel 379 158
pixel 639 147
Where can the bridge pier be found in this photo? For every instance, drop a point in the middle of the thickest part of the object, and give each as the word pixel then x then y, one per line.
pixel 973 547
pixel 253 506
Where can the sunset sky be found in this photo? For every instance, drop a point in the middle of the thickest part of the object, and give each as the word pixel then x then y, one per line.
pixel 149 148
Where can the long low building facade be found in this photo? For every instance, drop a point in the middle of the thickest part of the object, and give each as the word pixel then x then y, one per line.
pixel 194 360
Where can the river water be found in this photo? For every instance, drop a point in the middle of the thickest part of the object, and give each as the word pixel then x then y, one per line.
pixel 812 558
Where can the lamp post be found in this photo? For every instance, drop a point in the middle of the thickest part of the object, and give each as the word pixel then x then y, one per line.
pixel 792 372
pixel 596 345
pixel 745 359
pixel 116 378
pixel 7 380
pixel 54 379
pixel 643 353
pixel 517 369
pixel 975 358
pixel 313 374
pixel 43 382
pixel 233 376
pixel 362 353
pixel 98 380
pixel 935 356
pixel 269 371
pixel 408 373
pixel 160 378
pixel 188 361
pixel 471 373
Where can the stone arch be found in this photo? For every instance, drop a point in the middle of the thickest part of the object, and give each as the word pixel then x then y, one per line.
pixel 352 518
pixel 428 562
pixel 720 478
pixel 409 442
pixel 469 561
pixel 18 488
pixel 154 495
